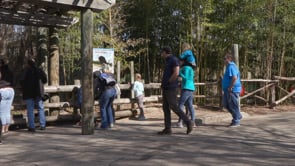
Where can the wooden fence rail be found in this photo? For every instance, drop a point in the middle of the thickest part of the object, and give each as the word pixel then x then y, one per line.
pixel 69 88
pixel 269 85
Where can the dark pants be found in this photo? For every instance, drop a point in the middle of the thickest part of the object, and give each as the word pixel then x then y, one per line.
pixel 170 102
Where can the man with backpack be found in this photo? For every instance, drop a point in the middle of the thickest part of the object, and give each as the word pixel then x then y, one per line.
pixel 105 93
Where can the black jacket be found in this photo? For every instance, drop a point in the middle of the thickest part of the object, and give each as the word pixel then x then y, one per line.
pixel 6 74
pixel 32 83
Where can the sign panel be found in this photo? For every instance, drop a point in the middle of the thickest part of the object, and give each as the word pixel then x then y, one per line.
pixel 103 59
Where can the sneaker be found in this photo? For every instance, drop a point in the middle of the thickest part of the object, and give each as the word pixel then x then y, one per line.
pixel 111 125
pixel 189 127
pixel 165 132
pixel 42 128
pixel 179 125
pixel 194 125
pixel 0 142
pixel 31 130
pixel 141 118
pixel 234 125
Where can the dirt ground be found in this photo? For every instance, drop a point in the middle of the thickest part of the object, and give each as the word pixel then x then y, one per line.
pixel 251 110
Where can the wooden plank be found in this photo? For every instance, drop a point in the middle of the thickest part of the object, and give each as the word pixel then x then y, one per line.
pixel 35 19
pixel 95 5
pixel 284 98
pixel 258 80
pixel 285 78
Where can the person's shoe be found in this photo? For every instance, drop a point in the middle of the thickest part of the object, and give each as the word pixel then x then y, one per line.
pixel 103 128
pixel 179 124
pixel 234 125
pixel 0 142
pixel 194 125
pixel 189 126
pixel 42 128
pixel 31 130
pixel 165 132
pixel 111 125
pixel 141 118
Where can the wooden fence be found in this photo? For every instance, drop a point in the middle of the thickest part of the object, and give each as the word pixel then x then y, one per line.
pixel 257 91
pixel 266 91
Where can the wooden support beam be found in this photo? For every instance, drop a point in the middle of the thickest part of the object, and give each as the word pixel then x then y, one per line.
pixel 284 78
pixel 95 5
pixel 284 98
pixel 34 19
pixel 87 77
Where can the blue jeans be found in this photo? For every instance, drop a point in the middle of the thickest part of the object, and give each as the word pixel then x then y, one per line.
pixel 7 95
pixel 186 98
pixel 30 111
pixel 106 107
pixel 230 101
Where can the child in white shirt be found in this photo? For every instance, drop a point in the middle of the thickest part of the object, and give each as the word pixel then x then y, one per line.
pixel 138 88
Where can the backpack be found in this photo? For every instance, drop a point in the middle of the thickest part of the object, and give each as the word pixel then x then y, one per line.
pixel 107 79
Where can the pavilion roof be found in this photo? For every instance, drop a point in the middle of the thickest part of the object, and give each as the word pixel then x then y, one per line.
pixel 47 13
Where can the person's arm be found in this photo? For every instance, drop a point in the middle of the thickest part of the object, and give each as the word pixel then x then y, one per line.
pixel 183 55
pixel 174 74
pixel 232 83
pixel 234 77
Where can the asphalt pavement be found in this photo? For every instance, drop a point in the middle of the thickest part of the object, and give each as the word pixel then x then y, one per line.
pixel 260 140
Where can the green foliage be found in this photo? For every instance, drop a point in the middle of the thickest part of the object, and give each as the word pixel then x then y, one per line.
pixel 138 29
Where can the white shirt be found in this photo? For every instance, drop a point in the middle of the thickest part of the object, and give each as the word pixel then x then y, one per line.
pixel 138 88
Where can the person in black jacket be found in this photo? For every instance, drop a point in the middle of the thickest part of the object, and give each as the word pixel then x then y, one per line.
pixel 33 91
pixel 6 73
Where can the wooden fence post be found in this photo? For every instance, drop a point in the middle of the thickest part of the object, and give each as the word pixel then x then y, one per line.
pixel 272 99
pixel 118 82
pixel 132 82
pixel 87 76
pixel 219 83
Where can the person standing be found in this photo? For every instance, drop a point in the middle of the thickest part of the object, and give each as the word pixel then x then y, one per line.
pixel 6 99
pixel 106 93
pixel 6 73
pixel 6 95
pixel 187 90
pixel 138 88
pixel 169 86
pixel 33 90
pixel 231 87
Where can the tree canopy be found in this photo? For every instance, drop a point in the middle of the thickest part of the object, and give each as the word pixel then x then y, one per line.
pixel 137 29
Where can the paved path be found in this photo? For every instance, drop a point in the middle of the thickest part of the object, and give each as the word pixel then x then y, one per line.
pixel 261 140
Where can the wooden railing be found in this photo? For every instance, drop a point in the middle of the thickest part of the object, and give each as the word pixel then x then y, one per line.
pixel 266 92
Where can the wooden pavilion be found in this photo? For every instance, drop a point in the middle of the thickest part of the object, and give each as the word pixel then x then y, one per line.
pixel 55 14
